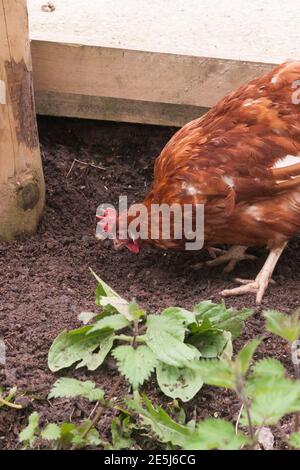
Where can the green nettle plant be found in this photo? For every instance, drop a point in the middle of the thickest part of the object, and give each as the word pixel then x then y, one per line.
pixel 288 328
pixel 170 344
pixel 185 349
pixel 211 433
pixel 68 435
pixel 265 392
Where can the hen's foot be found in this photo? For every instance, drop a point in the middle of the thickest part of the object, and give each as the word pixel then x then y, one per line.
pixel 262 280
pixel 231 257
pixel 214 252
pixel 256 286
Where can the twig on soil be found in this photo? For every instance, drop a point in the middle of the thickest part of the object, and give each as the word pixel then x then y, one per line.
pixel 93 410
pixel 92 165
pixel 71 415
pixel 244 400
pixel 11 405
pixel 238 419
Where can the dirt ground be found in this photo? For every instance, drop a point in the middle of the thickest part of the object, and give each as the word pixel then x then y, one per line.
pixel 45 281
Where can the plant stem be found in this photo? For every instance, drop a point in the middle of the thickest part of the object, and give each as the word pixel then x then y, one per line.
pixel 250 426
pixel 295 360
pixel 135 333
pixel 128 339
pixel 11 405
pixel 245 402
pixel 297 415
pixel 238 419
pixel 100 411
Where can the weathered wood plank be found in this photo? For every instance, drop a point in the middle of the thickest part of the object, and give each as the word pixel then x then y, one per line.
pixel 129 85
pixel 21 176
pixel 115 109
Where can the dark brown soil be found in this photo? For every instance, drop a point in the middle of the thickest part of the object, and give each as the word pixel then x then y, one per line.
pixel 46 282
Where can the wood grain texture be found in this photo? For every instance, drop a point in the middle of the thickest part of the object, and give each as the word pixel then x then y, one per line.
pixel 80 72
pixel 115 109
pixel 21 176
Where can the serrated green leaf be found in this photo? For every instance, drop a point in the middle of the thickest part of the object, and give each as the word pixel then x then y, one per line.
pixel 221 317
pixel 51 432
pixel 271 400
pixel 185 317
pixel 171 325
pixel 28 435
pixel 71 434
pixel 268 367
pixel 67 387
pixel 165 338
pixel 219 373
pixel 135 364
pixel 205 307
pixel 294 440
pixel 244 357
pixel 170 350
pixel 176 382
pixel 209 434
pixel 115 322
pixel 91 439
pixel 162 425
pixel 200 328
pixel 72 346
pixel 211 344
pixel 219 434
pixel 66 433
pixel 286 326
pixel 235 321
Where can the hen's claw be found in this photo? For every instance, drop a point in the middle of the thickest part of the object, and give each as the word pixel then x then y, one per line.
pixel 257 286
pixel 215 252
pixel 262 280
pixel 231 257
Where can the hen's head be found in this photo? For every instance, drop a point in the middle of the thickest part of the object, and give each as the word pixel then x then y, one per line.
pixel 115 226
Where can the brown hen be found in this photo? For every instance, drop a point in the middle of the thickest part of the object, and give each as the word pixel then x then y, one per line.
pixel 239 161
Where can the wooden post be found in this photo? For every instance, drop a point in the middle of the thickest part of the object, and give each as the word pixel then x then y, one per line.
pixel 22 189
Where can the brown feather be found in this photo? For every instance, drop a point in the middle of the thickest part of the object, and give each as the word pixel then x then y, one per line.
pixel 228 156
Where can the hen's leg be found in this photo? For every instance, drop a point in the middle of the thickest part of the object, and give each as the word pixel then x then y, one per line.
pixel 261 282
pixel 231 257
pixel 214 252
